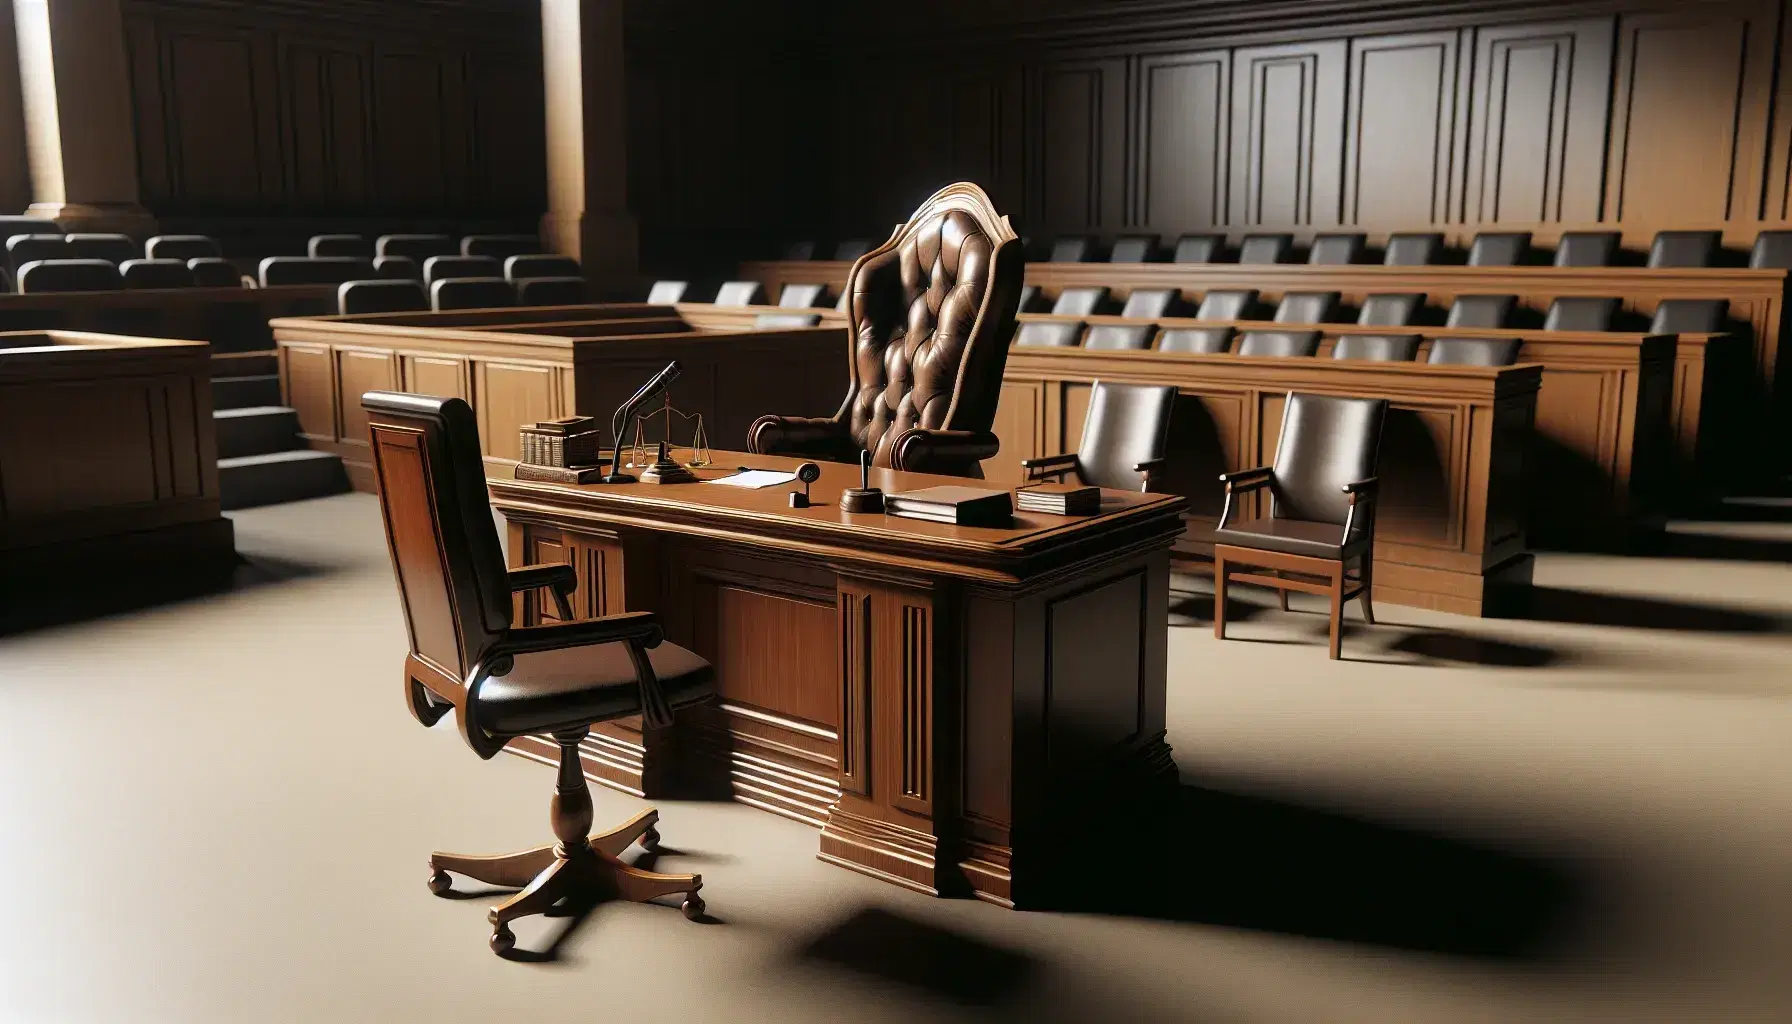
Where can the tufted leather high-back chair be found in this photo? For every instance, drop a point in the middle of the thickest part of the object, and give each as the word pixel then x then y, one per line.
pixel 932 312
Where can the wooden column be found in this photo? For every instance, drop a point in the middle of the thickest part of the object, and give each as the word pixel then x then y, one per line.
pixel 80 139
pixel 587 133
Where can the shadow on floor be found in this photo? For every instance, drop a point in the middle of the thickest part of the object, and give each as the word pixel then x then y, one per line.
pixel 927 958
pixel 1716 547
pixel 1239 861
pixel 1591 608
pixel 83 599
pixel 1448 647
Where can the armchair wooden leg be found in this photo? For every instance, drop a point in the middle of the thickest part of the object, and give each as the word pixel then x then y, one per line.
pixel 1219 597
pixel 1337 623
pixel 1281 593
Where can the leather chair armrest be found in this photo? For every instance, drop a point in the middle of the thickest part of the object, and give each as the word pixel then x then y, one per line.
pixel 1049 466
pixel 919 450
pixel 823 438
pixel 1148 470
pixel 641 628
pixel 1242 482
pixel 1362 495
pixel 557 575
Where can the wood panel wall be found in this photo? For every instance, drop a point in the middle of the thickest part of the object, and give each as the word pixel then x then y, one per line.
pixel 338 108
pixel 1172 117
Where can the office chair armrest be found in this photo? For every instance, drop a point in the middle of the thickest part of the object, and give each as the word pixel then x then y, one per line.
pixel 1048 466
pixel 1148 470
pixel 1242 482
pixel 633 627
pixel 1362 494
pixel 809 436
pixel 920 450
pixel 557 575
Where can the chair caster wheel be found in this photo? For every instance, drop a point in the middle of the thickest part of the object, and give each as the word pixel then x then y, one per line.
pixel 503 940
pixel 693 906
pixel 439 882
pixel 650 840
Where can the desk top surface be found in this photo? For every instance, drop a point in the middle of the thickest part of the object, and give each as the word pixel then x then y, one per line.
pixel 764 517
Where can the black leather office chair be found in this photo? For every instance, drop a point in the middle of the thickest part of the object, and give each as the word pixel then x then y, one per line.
pixel 380 296
pixel 1199 249
pixel 1200 341
pixel 1337 250
pixel 1050 334
pixel 1278 344
pixel 1689 316
pixel 1321 516
pixel 1119 337
pixel 1587 249
pixel 417 247
pixel 666 293
pixel 1772 251
pixel 23 249
pixel 1413 250
pixel 1391 310
pixel 398 268
pixel 111 247
pixel 550 291
pixel 1080 301
pixel 280 270
pixel 1474 352
pixel 1499 249
pixel 471 293
pixel 1074 249
pixel 182 247
pixel 1581 313
pixel 1150 303
pixel 156 274
pixel 1227 304
pixel 1685 248
pixel 804 296
pixel 352 246
pixel 1125 433
pixel 443 268
pixel 740 293
pixel 212 272
pixel 769 321
pixel 1377 348
pixel 539 264
pixel 1307 308
pixel 1265 249
pixel 505 679
pixel 502 247
pixel 70 276
pixel 1133 249
pixel 1481 311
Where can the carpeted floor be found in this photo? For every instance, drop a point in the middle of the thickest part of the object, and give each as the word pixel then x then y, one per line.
pixel 220 811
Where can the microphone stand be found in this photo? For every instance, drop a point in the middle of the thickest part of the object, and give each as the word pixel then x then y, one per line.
pixel 625 413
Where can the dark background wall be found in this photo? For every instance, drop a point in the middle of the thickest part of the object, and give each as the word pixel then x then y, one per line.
pixel 755 124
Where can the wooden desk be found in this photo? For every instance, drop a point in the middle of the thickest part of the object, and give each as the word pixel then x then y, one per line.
pixel 925 693
pixel 108 463
pixel 518 366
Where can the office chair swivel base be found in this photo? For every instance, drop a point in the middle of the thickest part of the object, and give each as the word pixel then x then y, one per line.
pixel 581 869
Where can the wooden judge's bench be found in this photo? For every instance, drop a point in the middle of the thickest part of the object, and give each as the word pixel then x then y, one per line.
pixel 932 696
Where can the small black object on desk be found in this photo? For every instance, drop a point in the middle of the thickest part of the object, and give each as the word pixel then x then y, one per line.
pixel 808 473
pixel 863 498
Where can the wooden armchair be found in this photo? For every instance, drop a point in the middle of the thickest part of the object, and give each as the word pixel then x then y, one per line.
pixel 1321 517
pixel 505 680
pixel 1124 436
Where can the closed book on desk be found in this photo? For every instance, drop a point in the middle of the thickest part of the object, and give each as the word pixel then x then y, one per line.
pixel 960 506
pixel 1059 499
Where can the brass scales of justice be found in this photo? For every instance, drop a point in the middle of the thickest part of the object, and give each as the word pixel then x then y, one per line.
pixel 655 458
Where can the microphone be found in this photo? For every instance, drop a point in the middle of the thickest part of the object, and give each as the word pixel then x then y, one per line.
pixel 626 412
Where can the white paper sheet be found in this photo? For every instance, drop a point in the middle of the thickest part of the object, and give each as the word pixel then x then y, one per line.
pixel 755 478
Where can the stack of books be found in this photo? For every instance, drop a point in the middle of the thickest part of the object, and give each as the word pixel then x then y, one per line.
pixel 960 506
pixel 1059 499
pixel 570 442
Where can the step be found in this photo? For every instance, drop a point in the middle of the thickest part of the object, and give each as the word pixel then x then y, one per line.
pixel 244 392
pixel 255 430
pixel 251 480
pixel 243 364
